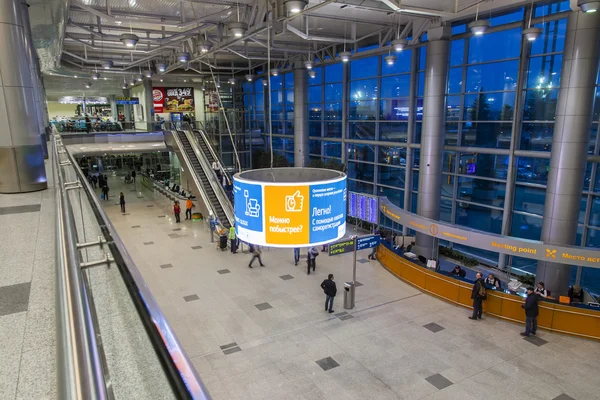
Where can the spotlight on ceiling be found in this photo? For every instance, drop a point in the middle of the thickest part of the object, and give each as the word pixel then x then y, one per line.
pixel 88 85
pixel 203 88
pixel 74 76
pixel 308 64
pixel 312 73
pixel 231 81
pixel 532 33
pixel 295 6
pixel 139 78
pixel 132 81
pixel 148 73
pixel 161 67
pixel 238 28
pixel 479 26
pixel 345 56
pixel 399 44
pixel 265 83
pixel 249 77
pixel 390 60
pixel 95 76
pixel 105 78
pixel 183 57
pixel 204 46
pixel 275 72
pixel 129 39
pixel 124 86
pixel 161 80
pixel 218 84
pixel 588 6
pixel 107 64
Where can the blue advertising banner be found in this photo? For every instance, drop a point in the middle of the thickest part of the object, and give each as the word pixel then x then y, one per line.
pixel 367 242
pixel 248 211
pixel 327 211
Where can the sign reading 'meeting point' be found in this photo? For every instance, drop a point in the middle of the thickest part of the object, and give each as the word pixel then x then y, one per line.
pixel 290 207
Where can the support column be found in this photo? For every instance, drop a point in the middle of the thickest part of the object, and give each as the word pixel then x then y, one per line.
pixel 149 104
pixel 113 107
pixel 432 137
pixel 21 156
pixel 412 113
pixel 127 111
pixel 301 149
pixel 570 141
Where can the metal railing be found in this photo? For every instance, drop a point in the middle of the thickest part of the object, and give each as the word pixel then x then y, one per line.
pixel 82 370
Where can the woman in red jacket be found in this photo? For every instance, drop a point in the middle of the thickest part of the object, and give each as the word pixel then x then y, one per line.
pixel 177 211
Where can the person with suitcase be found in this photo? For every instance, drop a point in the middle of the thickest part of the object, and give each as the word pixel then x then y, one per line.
pixel 256 252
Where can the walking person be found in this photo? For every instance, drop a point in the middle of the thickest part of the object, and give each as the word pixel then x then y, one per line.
pixel 296 255
pixel 330 289
pixel 177 212
pixel 311 258
pixel 122 202
pixel 256 252
pixel 94 181
pixel 478 295
pixel 105 191
pixel 531 312
pixel 188 208
pixel 232 240
pixel 216 168
pixel 133 175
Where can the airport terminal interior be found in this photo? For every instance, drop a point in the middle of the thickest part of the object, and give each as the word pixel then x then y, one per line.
pixel 299 199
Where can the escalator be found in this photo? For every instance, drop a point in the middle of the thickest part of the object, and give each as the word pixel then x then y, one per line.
pixel 203 180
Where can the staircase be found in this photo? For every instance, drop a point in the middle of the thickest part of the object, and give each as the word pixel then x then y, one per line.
pixel 210 193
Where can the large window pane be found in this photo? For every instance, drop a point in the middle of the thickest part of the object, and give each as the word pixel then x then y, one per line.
pixel 363 68
pixel 314 128
pixel 453 108
pixel 540 105
pixel 391 176
pixel 455 80
pixel 288 80
pixel 526 226
pixel 393 131
pixel 394 110
pixel 392 155
pixel 552 39
pixel 332 111
pixel 492 77
pixel 332 149
pixel 363 90
pixel 361 187
pixel 537 136
pixel 333 129
pixel 489 106
pixel 481 191
pixel 365 110
pixel 530 199
pixel 486 165
pixel 505 44
pixel 361 152
pixel 361 171
pixel 402 63
pixel 333 92
pixel 396 196
pixel 314 112
pixel 315 94
pixel 333 73
pixel 544 72
pixel 395 86
pixel 362 130
pixel 486 134
pixel 478 217
pixel 532 170
pixel 457 52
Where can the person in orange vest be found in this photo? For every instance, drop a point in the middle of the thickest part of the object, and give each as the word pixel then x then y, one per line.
pixel 188 208
pixel 177 211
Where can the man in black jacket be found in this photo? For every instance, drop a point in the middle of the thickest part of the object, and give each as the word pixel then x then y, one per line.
pixel 328 286
pixel 478 295
pixel 531 312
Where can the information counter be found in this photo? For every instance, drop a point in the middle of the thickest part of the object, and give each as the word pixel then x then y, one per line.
pixel 572 320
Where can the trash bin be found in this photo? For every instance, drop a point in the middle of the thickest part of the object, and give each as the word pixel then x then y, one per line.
pixel 348 295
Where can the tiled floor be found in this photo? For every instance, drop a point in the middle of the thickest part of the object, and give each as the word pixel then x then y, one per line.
pixel 27 288
pixel 253 334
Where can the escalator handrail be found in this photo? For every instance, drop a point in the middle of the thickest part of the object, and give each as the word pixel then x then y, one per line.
pixel 202 133
pixel 189 384
pixel 80 372
pixel 212 179
pixel 207 202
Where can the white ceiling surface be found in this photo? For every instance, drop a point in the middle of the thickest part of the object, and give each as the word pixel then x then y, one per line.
pixel 92 32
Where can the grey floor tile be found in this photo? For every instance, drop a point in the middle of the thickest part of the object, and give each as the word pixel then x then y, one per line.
pixel 126 214
pixel 148 243
pixel 136 226
pixel 535 340
pixel 196 247
pixel 224 271
pixel 165 266
pixel 286 277
pixel 438 381
pixel 433 327
pixel 232 350
pixel 345 317
pixel 341 314
pixel 263 306
pixel 228 345
pixel 176 229
pixel 327 363
pixel 563 397
pixel 133 190
pixel 20 209
pixel 362 261
pixel 191 297
pixel 173 235
pixel 14 298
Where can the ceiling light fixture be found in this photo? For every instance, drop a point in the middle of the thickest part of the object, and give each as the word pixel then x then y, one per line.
pixel 139 78
pixel 161 80
pixel 105 78
pixel 532 33
pixel 588 6
pixel 88 85
pixel 308 64
pixel 231 81
pixel 129 39
pixel 75 76
pixel 95 76
pixel 345 56
pixel 275 72
pixel 124 86
pixel 203 88
pixel 479 26
pixel 204 46
pixel 249 77
pixel 183 57
pixel 148 73
pixel 132 81
pixel 390 59
pixel 265 82
pixel 295 6
pixel 161 67
pixel 238 28
pixel 107 64
pixel 399 44
pixel 312 73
